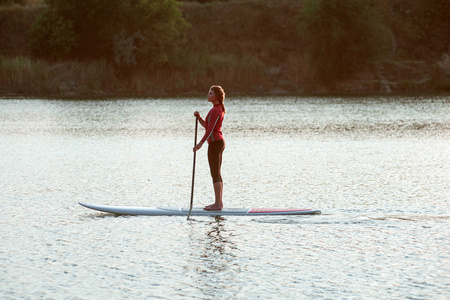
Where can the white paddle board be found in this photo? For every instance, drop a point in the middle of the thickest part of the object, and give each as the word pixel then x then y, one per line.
pixel 197 211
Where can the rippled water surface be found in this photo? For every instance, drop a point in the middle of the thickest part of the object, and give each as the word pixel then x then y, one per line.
pixel 378 168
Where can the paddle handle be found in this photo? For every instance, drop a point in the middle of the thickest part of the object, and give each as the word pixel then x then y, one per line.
pixel 193 170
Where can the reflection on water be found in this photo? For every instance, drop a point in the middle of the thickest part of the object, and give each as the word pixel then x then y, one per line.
pixel 213 264
pixel 377 168
pixel 217 241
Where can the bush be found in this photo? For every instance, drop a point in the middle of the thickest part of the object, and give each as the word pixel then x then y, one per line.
pixel 425 25
pixel 12 2
pixel 444 63
pixel 341 36
pixel 100 30
pixel 161 28
pixel 95 22
pixel 52 36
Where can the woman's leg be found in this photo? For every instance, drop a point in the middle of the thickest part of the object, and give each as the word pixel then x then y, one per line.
pixel 215 151
pixel 218 190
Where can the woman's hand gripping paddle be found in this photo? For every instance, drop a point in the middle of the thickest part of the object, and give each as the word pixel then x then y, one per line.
pixel 193 170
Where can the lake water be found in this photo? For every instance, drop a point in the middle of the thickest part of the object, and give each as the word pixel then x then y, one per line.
pixel 377 167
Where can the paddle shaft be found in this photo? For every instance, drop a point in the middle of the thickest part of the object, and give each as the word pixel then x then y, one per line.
pixel 193 170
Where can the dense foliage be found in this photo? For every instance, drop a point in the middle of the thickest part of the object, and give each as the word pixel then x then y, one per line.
pixel 424 24
pixel 52 36
pixel 341 36
pixel 246 45
pixel 144 32
pixel 11 2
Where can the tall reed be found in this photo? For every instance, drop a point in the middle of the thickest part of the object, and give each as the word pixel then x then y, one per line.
pixel 24 76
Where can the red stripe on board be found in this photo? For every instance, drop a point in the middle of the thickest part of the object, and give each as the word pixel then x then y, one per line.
pixel 274 210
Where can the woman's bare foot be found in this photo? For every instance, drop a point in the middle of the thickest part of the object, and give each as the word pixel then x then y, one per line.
pixel 213 207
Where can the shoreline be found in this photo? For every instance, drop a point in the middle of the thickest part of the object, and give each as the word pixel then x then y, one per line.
pixel 231 96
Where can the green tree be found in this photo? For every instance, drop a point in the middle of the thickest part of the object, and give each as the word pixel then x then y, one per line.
pixel 12 2
pixel 52 36
pixel 160 28
pixel 94 22
pixel 341 36
pixel 156 28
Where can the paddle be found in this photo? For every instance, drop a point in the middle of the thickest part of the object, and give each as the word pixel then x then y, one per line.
pixel 193 170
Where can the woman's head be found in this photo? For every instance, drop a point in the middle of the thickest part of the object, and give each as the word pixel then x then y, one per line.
pixel 220 94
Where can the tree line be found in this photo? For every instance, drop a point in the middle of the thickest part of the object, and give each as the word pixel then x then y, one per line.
pixel 339 36
pixel 129 32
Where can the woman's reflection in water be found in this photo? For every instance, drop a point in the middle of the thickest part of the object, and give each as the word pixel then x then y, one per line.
pixel 217 242
pixel 215 262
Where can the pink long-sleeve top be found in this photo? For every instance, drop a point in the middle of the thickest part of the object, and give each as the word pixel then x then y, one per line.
pixel 213 125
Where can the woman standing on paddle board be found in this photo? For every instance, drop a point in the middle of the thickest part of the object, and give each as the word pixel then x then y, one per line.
pixel 214 136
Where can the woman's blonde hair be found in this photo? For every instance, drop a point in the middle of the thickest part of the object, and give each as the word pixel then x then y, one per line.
pixel 220 95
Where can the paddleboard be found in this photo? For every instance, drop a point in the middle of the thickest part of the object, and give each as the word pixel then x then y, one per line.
pixel 198 211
